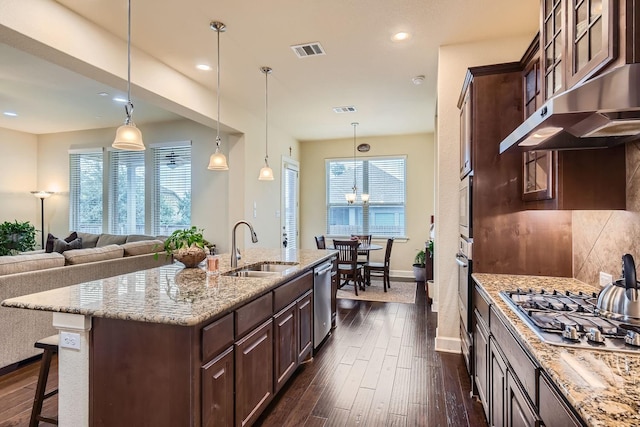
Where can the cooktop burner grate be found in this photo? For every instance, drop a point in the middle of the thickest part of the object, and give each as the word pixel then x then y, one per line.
pixel 570 319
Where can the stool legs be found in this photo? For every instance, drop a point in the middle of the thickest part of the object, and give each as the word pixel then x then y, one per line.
pixel 40 392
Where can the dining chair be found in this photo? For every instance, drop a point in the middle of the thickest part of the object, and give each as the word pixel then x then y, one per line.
pixel 380 267
pixel 364 239
pixel 348 266
pixel 320 243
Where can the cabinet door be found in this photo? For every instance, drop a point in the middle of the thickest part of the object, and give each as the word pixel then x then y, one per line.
pixel 217 391
pixel 285 338
pixel 538 175
pixel 465 133
pixel 480 359
pixel 592 37
pixel 497 387
pixel 552 49
pixel 305 329
pixel 553 411
pixel 334 293
pixel 519 411
pixel 254 373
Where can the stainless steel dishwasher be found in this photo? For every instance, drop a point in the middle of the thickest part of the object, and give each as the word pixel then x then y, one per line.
pixel 321 302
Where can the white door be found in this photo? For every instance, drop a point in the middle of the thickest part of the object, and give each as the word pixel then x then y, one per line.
pixel 290 194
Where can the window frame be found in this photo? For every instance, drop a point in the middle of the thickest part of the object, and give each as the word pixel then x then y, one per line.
pixel 362 184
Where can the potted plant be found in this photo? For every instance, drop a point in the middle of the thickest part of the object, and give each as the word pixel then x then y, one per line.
pixel 17 237
pixel 187 246
pixel 419 264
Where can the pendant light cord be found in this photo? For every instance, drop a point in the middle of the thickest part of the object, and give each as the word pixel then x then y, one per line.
pixel 129 107
pixel 218 94
pixel 354 156
pixel 266 71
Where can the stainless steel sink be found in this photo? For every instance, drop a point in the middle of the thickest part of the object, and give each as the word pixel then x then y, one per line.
pixel 262 269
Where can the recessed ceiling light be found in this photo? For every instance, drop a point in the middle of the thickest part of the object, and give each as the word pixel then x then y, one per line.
pixel 103 94
pixel 118 99
pixel 398 37
pixel 203 67
pixel 10 114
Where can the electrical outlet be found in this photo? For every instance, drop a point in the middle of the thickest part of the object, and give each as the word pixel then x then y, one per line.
pixel 70 340
pixel 605 279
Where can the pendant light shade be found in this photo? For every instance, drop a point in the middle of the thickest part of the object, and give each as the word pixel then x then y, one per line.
pixel 351 197
pixel 128 136
pixel 266 173
pixel 218 161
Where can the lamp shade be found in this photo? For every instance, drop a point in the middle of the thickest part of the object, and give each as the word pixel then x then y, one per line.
pixel 266 173
pixel 364 197
pixel 351 197
pixel 42 194
pixel 128 137
pixel 218 162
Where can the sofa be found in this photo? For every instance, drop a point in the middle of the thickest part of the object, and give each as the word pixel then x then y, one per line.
pixel 101 256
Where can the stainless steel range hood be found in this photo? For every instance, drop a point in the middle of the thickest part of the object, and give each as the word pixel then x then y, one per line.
pixel 601 112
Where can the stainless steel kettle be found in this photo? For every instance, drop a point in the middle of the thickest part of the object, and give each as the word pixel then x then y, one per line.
pixel 620 300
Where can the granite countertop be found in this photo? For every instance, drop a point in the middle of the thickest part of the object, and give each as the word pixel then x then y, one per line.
pixel 601 385
pixel 170 294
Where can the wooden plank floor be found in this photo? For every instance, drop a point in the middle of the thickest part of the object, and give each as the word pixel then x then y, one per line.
pixel 379 368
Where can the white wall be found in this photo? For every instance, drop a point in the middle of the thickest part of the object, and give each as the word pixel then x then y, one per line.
pixel 419 149
pixel 18 177
pixel 453 62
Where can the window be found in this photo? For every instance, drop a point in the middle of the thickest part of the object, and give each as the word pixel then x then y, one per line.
pixel 384 180
pixel 171 203
pixel 85 190
pixel 126 192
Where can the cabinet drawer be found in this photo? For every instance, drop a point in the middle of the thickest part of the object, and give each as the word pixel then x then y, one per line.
pixel 521 364
pixel 289 292
pixel 216 337
pixel 254 313
pixel 553 411
pixel 481 305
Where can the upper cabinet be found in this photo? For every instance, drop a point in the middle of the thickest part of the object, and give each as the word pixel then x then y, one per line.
pixel 577 38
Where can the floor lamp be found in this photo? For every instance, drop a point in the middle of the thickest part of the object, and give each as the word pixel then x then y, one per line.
pixel 42 195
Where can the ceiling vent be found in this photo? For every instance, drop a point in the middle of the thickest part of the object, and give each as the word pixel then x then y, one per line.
pixel 308 49
pixel 348 109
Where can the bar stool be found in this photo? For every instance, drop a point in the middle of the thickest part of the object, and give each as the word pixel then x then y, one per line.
pixel 50 346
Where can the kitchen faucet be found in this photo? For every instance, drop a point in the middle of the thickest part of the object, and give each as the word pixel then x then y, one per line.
pixel 234 254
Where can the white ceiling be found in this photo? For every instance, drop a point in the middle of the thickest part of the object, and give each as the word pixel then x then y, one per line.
pixel 362 67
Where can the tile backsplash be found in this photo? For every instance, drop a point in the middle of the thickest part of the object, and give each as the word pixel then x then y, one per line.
pixel 600 238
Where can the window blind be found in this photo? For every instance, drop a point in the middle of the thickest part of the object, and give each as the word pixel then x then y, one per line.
pixel 291 192
pixel 85 190
pixel 384 179
pixel 171 201
pixel 126 192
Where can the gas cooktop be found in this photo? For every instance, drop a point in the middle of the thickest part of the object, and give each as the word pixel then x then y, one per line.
pixel 569 319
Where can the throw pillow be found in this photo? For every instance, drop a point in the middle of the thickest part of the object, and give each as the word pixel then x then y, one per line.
pixel 60 245
pixel 51 239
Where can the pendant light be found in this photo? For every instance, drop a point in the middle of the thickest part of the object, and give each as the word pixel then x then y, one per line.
pixel 266 173
pixel 351 197
pixel 364 196
pixel 128 136
pixel 218 161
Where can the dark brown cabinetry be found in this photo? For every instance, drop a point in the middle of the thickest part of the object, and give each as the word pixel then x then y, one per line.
pixel 254 373
pixel 221 372
pixel 465 132
pixel 334 293
pixel 577 38
pixel 304 305
pixel 285 342
pixel 217 391
pixel 514 390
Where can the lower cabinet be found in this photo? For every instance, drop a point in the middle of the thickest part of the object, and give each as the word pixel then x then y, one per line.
pixel 217 391
pixel 305 329
pixel 285 342
pixel 254 373
pixel 514 389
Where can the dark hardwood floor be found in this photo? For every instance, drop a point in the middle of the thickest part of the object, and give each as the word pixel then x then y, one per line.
pixel 378 368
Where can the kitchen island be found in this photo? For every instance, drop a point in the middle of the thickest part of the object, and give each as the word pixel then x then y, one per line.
pixel 600 386
pixel 173 346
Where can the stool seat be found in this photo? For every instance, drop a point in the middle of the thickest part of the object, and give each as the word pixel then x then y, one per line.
pixel 50 347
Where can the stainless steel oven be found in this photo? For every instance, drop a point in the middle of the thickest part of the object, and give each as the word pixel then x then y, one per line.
pixel 466 229
pixel 464 261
